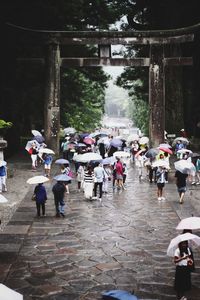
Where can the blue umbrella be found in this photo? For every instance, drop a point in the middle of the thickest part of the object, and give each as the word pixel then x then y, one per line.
pixel 62 177
pixel 118 295
pixel 116 143
pixel 39 139
pixel 61 161
pixel 83 135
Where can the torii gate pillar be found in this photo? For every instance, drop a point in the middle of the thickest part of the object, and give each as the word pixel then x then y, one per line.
pixel 156 95
pixel 52 97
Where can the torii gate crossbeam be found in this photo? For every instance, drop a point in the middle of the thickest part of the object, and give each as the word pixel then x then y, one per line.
pixel 156 62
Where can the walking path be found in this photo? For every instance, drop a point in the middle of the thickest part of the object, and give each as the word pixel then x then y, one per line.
pixel 117 244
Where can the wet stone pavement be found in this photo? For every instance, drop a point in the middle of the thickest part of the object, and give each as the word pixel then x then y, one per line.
pixel 117 244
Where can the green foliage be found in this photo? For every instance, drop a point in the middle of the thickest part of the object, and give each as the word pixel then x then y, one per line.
pixel 82 98
pixel 4 124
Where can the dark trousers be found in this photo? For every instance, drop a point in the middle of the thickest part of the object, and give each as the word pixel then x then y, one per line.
pixel 39 206
pixel 96 184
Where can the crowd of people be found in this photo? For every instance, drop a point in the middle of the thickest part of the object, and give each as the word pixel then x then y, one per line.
pixel 96 177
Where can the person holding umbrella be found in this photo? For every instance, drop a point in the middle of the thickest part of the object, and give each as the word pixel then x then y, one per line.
pixel 40 198
pixel 182 168
pixel 182 259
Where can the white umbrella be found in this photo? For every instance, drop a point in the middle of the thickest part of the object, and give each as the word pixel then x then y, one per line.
pixel 87 157
pixel 104 140
pixel 184 166
pixel 29 144
pixel 3 163
pixel 184 151
pixel 36 132
pixel 165 145
pixel 3 199
pixel 63 177
pixel 61 161
pixel 190 223
pixel 69 130
pixel 47 151
pixel 160 163
pixel 121 154
pixel 143 140
pixel 37 179
pixel 182 139
pixel 132 137
pixel 9 294
pixel 181 238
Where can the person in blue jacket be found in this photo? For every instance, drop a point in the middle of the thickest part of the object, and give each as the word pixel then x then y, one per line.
pixel 40 198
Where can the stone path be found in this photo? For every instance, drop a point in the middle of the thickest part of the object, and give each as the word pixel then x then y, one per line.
pixel 117 244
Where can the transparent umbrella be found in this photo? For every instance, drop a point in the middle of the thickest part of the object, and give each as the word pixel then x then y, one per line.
pixel 181 238
pixel 3 199
pixel 190 223
pixel 9 294
pixel 37 179
pixel 184 166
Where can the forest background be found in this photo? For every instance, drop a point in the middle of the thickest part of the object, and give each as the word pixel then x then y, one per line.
pixel 83 89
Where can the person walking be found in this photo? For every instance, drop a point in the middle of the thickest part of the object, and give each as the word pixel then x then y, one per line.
pixel 65 169
pixel 34 153
pixel 40 198
pixel 160 178
pixel 197 165
pixel 107 178
pixel 3 177
pixel 88 182
pixel 59 190
pixel 181 184
pixel 119 173
pixel 125 174
pixel 47 160
pixel 80 176
pixel 99 175
pixel 182 259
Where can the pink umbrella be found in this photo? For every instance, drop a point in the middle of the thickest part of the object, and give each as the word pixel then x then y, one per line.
pixel 88 141
pixel 167 150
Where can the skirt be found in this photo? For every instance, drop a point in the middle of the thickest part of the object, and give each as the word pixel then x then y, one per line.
pixel 182 279
pixel 88 189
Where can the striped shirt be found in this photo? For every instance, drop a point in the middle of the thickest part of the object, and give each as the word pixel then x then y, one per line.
pixel 88 177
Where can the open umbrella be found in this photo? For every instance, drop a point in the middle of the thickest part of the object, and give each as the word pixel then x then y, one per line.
pixel 152 153
pixel 132 137
pixel 166 150
pixel 104 140
pixel 182 139
pixel 3 163
pixel 29 144
pixel 160 163
pixel 69 130
pixel 88 140
pixel 181 238
pixel 87 157
pixel 116 142
pixel 61 161
pixel 121 154
pixel 194 154
pixel 184 151
pixel 47 151
pixel 39 138
pixel 143 140
pixel 80 145
pixel 37 179
pixel 165 145
pixel 100 134
pixel 184 166
pixel 36 132
pixel 9 294
pixel 109 160
pixel 63 177
pixel 118 295
pixel 3 199
pixel 190 223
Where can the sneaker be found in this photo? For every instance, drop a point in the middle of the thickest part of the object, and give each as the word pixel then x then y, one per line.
pixel 193 182
pixel 94 198
pixel 100 200
pixel 197 183
pixel 159 198
pixel 62 214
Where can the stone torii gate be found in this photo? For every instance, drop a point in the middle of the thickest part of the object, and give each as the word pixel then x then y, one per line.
pixel 156 40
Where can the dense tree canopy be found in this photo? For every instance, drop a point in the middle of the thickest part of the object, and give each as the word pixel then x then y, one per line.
pixel 22 85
